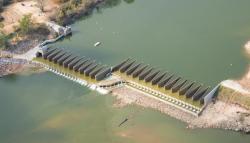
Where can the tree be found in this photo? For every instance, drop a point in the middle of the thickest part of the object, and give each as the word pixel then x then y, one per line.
pixel 3 40
pixel 41 5
pixel 25 24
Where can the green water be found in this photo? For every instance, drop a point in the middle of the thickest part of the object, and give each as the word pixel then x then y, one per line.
pixel 196 39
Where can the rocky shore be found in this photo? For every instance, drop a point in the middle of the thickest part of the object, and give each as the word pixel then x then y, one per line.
pixel 219 115
pixel 13 66
pixel 223 115
pixel 124 98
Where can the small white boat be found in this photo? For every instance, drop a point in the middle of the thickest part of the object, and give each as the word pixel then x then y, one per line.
pixel 97 44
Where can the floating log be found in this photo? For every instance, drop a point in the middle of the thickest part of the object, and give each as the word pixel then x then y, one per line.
pixel 117 67
pixel 124 121
pixel 178 87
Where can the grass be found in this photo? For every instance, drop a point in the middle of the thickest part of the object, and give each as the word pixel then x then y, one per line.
pixel 229 95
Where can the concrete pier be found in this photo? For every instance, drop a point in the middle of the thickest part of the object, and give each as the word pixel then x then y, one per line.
pixel 144 74
pixel 186 88
pixel 78 66
pixel 138 72
pixel 73 63
pixel 85 66
pixel 158 78
pixel 177 88
pixel 91 68
pixel 68 61
pixel 191 92
pixel 170 84
pixel 117 67
pixel 126 66
pixel 163 82
pixel 131 70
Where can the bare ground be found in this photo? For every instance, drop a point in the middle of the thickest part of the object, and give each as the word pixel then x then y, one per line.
pixel 14 12
pixel 13 66
pixel 224 116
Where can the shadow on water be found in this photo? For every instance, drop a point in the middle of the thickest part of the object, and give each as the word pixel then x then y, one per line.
pixel 10 78
pixel 104 5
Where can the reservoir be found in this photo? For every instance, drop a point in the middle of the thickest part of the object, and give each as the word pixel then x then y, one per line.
pixel 199 40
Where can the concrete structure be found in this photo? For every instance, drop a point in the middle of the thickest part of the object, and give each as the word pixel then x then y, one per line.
pixel 144 74
pixel 154 83
pixel 164 85
pixel 73 63
pixel 149 78
pixel 178 87
pixel 103 74
pixel 158 78
pixel 83 65
pixel 164 81
pixel 90 69
pixel 78 66
pixel 131 70
pixel 139 71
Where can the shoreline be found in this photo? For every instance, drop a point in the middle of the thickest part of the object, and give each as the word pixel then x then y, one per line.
pixel 28 42
pixel 232 117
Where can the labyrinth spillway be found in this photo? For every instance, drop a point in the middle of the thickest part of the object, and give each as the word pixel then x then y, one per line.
pixel 165 86
pixel 186 94
pixel 68 63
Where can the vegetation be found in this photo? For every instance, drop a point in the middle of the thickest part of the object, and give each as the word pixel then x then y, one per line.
pixel 3 40
pixel 230 96
pixel 3 37
pixel 25 24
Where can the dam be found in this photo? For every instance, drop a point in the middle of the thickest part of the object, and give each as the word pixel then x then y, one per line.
pixel 186 95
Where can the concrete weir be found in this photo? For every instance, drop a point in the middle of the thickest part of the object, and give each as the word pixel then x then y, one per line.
pixel 78 66
pixel 79 69
pixel 181 93
pixel 189 96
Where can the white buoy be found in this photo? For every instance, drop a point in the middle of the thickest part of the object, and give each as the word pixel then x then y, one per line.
pixel 97 44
